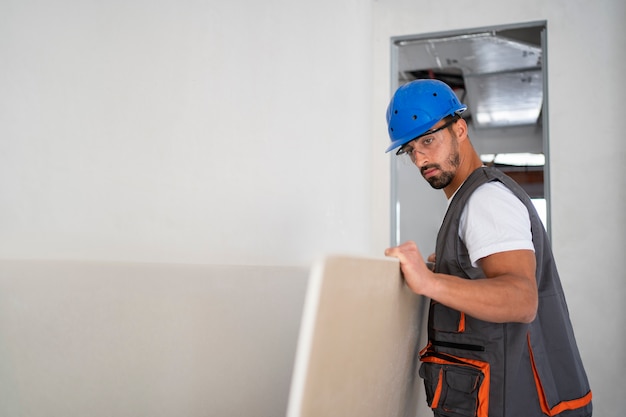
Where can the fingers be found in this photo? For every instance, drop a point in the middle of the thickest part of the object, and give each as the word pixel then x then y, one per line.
pixel 406 251
pixel 414 269
pixel 393 252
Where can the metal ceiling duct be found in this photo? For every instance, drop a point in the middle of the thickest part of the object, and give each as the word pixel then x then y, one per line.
pixel 500 79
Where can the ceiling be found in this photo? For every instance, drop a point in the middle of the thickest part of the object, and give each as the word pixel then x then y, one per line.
pixel 497 74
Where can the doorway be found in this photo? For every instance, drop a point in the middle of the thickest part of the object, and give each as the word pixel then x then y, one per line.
pixel 500 73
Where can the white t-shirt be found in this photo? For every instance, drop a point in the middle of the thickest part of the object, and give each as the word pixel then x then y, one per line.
pixel 494 220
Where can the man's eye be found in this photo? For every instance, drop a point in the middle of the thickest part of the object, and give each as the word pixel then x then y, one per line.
pixel 427 141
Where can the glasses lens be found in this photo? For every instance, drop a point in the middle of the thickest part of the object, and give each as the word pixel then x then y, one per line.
pixel 418 141
pixel 405 150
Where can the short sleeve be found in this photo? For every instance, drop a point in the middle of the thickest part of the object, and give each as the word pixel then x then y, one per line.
pixel 494 220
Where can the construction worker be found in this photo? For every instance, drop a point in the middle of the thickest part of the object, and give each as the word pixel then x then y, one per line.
pixel 501 343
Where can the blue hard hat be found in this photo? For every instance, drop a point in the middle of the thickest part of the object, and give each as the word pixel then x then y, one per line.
pixel 416 107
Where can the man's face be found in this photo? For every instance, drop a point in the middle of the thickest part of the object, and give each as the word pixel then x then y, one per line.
pixel 440 175
pixel 436 156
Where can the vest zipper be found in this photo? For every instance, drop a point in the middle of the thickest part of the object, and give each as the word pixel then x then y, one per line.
pixel 462 346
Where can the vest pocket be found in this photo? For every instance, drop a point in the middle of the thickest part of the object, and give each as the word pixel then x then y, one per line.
pixel 550 390
pixel 455 387
pixel 447 320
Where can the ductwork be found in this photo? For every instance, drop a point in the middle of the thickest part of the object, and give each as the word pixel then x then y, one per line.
pixel 497 76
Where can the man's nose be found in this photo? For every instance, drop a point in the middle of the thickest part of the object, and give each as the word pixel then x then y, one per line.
pixel 419 158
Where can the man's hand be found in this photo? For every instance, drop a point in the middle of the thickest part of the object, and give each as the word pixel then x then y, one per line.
pixel 431 261
pixel 417 274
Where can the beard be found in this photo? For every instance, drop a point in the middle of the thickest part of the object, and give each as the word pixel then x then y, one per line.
pixel 442 180
pixel 446 176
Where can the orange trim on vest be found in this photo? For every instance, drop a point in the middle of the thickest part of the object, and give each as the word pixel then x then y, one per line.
pixel 438 390
pixel 563 405
pixel 462 323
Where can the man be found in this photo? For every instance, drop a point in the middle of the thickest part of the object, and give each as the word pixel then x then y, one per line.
pixel 500 339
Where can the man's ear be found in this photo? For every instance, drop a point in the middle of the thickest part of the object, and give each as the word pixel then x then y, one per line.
pixel 460 130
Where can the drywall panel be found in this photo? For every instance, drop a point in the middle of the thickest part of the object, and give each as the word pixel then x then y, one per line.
pixel 358 345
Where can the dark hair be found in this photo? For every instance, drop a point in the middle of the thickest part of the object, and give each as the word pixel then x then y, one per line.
pixel 450 119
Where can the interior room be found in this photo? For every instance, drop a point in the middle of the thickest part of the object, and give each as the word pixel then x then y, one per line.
pixel 171 170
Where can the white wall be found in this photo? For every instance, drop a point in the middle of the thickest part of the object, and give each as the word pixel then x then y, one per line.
pixel 586 63
pixel 232 132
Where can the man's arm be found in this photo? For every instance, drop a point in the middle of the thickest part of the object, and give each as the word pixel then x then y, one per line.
pixel 508 294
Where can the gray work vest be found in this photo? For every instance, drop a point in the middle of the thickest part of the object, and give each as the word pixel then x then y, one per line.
pixel 477 368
